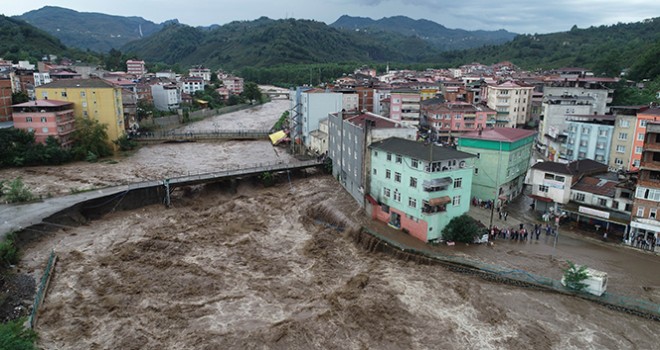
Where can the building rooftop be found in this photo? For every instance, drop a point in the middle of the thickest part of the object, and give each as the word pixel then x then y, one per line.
pixel 651 111
pixel 500 134
pixel 378 122
pixel 578 167
pixel 419 150
pixel 601 187
pixel 78 83
pixel 43 103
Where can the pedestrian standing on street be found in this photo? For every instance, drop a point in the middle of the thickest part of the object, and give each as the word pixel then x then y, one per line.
pixel 499 213
pixel 605 235
pixel 521 225
pixel 505 215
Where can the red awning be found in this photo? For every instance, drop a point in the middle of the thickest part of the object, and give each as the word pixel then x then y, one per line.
pixel 539 198
pixel 440 200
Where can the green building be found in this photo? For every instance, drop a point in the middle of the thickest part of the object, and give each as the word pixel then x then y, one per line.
pixel 503 158
pixel 418 187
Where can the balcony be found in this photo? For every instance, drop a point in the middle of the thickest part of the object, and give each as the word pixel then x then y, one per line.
pixel 652 146
pixel 436 185
pixel 435 205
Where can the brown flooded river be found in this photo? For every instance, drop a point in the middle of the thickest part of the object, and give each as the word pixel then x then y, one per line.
pixel 252 270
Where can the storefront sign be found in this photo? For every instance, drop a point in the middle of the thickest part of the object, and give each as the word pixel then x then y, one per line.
pixel 594 212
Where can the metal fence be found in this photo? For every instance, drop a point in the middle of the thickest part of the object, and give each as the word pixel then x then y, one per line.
pixel 623 303
pixel 41 290
pixel 201 135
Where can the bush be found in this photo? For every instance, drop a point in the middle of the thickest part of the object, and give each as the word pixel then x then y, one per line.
pixel 18 192
pixel 16 337
pixel 267 178
pixel 574 276
pixel 461 229
pixel 8 251
pixel 125 143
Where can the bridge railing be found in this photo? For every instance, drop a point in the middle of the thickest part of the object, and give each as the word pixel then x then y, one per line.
pixel 239 170
pixel 158 135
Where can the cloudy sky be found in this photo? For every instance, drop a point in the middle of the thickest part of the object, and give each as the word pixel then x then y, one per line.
pixel 520 16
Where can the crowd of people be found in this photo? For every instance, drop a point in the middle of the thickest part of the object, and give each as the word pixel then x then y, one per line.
pixel 522 233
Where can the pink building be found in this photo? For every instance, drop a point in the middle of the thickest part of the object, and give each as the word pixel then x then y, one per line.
pixel 46 118
pixel 455 118
pixel 404 106
pixel 136 68
pixel 233 84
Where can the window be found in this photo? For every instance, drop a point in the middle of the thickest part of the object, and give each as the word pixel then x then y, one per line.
pixel 82 94
pixel 602 202
pixel 642 123
pixel 476 171
pixel 389 156
pixel 543 188
pixel 413 182
pixel 636 163
pixel 63 93
pixel 375 171
pixel 412 202
pixel 478 155
pixel 397 196
pixel 623 136
pixel 602 132
pixel 624 123
pixel 618 161
pixel 640 211
pixel 44 119
pixel 398 159
pixel 456 200
pixel 414 163
pixel 559 178
pixel 653 213
pixel 375 152
pixel 640 136
pixel 28 119
pixel 397 177
pixel 638 150
pixel 44 130
pixel 620 148
pixel 386 192
pixel 458 182
pixel 579 197
pixel 388 174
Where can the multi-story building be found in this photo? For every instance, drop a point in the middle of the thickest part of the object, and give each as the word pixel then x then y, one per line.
pixel 512 101
pixel 565 97
pixel 136 67
pixel 41 78
pixel 200 72
pixel 233 83
pixel 552 181
pixel 643 117
pixel 46 118
pixel 166 97
pixel 405 106
pixel 621 149
pixel 455 118
pixel 645 224
pixel 190 85
pixel 92 98
pixel 5 100
pixel 349 135
pixel 418 187
pixel 365 99
pixel 503 158
pixel 308 108
pixel 588 136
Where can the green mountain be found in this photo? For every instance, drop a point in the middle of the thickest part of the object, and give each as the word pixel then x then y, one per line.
pixel 438 35
pixel 265 42
pixel 604 49
pixel 85 30
pixel 21 41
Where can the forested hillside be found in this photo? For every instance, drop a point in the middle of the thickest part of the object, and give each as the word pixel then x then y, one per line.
pixel 605 49
pixel 266 42
pixel 21 41
pixel 85 30
pixel 436 34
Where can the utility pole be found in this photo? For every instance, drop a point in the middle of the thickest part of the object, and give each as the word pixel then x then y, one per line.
pixel 554 245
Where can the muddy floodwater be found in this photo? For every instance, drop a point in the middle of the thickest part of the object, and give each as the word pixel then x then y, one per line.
pixel 256 269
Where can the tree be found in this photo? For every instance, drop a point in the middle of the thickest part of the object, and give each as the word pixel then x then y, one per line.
pixel 16 337
pixel 18 192
pixel 19 97
pixel 461 229
pixel 252 92
pixel 90 137
pixel 574 276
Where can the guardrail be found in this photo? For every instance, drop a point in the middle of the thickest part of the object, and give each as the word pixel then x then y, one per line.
pixel 41 291
pixel 205 135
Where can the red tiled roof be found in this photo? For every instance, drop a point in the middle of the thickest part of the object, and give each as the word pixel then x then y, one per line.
pixel 596 186
pixel 500 134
